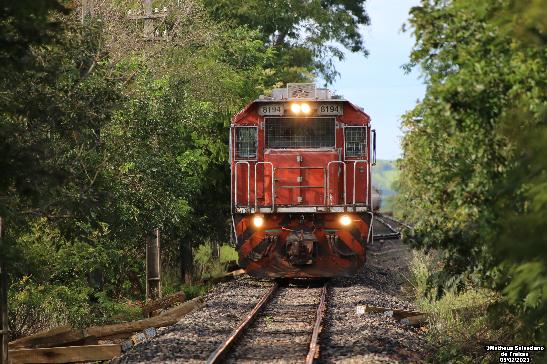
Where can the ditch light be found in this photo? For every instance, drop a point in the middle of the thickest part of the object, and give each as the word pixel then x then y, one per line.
pixel 345 220
pixel 258 221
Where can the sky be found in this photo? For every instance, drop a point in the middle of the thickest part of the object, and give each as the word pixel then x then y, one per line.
pixel 377 83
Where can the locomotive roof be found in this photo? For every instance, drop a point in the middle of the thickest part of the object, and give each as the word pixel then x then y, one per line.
pixel 240 115
pixel 298 92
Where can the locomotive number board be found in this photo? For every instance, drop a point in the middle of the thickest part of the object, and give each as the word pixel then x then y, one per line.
pixel 271 109
pixel 327 109
pixel 330 109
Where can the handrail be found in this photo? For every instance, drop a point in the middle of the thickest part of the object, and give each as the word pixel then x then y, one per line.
pixel 326 184
pixel 230 154
pixel 248 182
pixel 355 174
pixel 328 180
pixel 369 186
pixel 303 167
pixel 325 195
pixel 273 182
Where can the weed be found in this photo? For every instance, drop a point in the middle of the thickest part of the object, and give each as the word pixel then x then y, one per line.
pixel 268 320
pixel 206 265
pixel 458 321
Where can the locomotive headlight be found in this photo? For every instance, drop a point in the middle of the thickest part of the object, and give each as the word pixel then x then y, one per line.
pixel 305 108
pixel 345 220
pixel 258 221
pixel 295 108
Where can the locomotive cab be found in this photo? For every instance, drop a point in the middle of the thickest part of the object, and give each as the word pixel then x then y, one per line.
pixel 301 184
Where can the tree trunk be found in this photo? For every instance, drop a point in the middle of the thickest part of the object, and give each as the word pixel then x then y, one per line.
pixel 186 261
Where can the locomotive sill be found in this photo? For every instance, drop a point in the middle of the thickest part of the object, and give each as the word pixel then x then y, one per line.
pixel 319 209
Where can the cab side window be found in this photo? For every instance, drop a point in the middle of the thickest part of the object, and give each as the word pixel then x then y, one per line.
pixel 246 142
pixel 355 138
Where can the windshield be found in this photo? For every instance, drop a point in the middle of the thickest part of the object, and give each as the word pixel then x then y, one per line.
pixel 295 133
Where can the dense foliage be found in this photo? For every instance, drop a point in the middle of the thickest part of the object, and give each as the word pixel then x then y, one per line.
pixel 106 134
pixel 306 35
pixel 473 176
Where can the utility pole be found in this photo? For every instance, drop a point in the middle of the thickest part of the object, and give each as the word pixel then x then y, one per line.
pixel 150 32
pixel 153 266
pixel 4 329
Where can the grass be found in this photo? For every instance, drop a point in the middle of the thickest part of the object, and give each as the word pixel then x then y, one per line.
pixel 228 254
pixel 205 266
pixel 458 322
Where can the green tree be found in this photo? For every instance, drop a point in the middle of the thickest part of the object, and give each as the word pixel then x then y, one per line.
pixel 168 144
pixel 106 136
pixel 304 34
pixel 55 98
pixel 57 93
pixel 473 172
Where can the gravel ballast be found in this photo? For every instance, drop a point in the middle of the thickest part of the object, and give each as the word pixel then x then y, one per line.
pixel 348 337
pixel 198 334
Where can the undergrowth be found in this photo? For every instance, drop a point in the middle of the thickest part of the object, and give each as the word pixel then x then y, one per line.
pixel 207 265
pixel 459 324
pixel 35 306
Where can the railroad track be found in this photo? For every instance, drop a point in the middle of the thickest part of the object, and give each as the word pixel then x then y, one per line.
pixel 393 220
pixel 283 326
pixel 394 225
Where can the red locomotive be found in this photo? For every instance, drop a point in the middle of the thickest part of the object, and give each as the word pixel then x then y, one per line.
pixel 301 184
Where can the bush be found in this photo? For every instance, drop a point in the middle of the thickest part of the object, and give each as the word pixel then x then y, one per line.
pixel 35 307
pixel 206 266
pixel 459 322
pixel 473 179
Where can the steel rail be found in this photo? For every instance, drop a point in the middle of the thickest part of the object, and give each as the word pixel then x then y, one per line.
pixel 314 346
pixel 218 355
pixel 390 236
pixel 395 221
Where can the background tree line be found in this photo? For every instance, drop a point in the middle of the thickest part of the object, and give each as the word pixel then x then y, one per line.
pixel 473 175
pixel 106 135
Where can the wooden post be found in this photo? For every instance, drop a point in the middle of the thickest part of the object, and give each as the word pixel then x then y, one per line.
pixel 148 21
pixel 186 261
pixel 153 266
pixel 87 9
pixel 4 339
pixel 215 250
